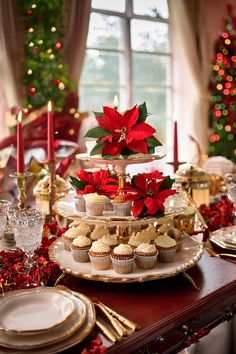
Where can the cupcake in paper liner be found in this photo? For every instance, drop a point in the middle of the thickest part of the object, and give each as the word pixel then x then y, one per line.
pixel 146 256
pixel 136 239
pixel 94 204
pixel 110 240
pixel 166 247
pixel 79 248
pixel 69 236
pixel 98 232
pixel 149 233
pixel 99 255
pixel 121 207
pixel 80 203
pixel 122 258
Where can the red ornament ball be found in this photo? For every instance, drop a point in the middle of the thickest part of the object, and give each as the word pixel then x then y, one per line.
pixel 32 90
pixel 29 12
pixel 56 82
pixel 58 46
pixel 35 49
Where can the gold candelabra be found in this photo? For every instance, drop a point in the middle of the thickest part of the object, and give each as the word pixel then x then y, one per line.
pixel 21 179
pixel 52 185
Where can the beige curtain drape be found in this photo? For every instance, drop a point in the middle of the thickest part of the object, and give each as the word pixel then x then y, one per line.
pixel 76 23
pixel 191 59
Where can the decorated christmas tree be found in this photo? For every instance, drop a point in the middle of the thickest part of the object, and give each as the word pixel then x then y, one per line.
pixel 222 113
pixel 44 71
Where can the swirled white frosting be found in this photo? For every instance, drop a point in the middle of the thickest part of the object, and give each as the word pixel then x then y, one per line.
pixel 165 241
pixel 100 247
pixel 136 239
pixel 110 240
pixel 146 248
pixel 72 232
pixel 98 232
pixel 81 241
pixel 95 198
pixel 123 249
pixel 150 232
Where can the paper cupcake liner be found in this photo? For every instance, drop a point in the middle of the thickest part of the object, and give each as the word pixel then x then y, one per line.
pixel 80 256
pixel 80 203
pixel 100 263
pixel 122 266
pixel 166 256
pixel 94 209
pixel 145 262
pixel 67 243
pixel 122 209
pixel 179 245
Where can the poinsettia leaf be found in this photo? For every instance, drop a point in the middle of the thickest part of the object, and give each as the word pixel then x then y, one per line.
pixel 97 148
pixel 142 112
pixel 77 183
pixel 152 141
pixel 97 132
pixel 159 214
pixel 167 183
pixel 151 150
pixel 98 114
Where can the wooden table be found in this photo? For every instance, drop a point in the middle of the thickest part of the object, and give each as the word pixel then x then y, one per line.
pixel 171 313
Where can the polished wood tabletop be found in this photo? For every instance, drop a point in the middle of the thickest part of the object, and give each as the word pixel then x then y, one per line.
pixel 172 314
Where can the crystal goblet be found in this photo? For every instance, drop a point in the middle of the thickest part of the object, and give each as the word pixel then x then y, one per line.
pixel 27 225
pixel 4 206
pixel 230 182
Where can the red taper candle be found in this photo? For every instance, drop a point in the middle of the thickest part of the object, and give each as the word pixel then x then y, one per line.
pixel 51 152
pixel 176 158
pixel 20 146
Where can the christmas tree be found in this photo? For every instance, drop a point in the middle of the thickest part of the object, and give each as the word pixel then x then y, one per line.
pixel 222 113
pixel 44 72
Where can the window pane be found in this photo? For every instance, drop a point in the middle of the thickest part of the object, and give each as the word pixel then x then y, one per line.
pixel 151 69
pixel 102 68
pixel 105 32
pixel 149 36
pixel 153 8
pixel 93 98
pixel 113 5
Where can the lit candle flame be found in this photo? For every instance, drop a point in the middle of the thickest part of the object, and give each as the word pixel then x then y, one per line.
pixel 115 102
pixel 19 117
pixel 49 106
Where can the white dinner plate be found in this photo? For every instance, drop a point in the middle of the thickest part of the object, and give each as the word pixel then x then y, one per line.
pixel 37 311
pixel 58 333
pixel 225 237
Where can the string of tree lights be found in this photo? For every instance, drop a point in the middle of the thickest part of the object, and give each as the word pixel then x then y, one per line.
pixel 44 71
pixel 222 112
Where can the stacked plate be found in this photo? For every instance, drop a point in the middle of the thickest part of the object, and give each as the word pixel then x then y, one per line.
pixel 225 238
pixel 44 320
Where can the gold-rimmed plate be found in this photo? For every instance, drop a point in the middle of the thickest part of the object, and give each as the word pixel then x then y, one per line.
pixel 190 254
pixel 33 312
pixel 58 333
pixel 224 238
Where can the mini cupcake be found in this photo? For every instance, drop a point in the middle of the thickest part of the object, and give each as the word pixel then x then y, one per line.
pixel 146 255
pixel 80 203
pixel 94 204
pixel 98 232
pixel 121 207
pixel 69 236
pixel 136 239
pixel 149 233
pixel 110 240
pixel 177 235
pixel 84 229
pixel 166 247
pixel 75 223
pixel 99 255
pixel 122 259
pixel 79 248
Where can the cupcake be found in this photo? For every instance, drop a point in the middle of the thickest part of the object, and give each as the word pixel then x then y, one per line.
pixel 98 232
pixel 69 236
pixel 177 236
pixel 186 221
pixel 94 204
pixel 75 223
pixel 163 229
pixel 146 255
pixel 166 247
pixel 136 239
pixel 149 233
pixel 80 203
pixel 99 255
pixel 79 248
pixel 110 240
pixel 122 259
pixel 121 207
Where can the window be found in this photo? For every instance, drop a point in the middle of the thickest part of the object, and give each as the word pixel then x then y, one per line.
pixel 128 54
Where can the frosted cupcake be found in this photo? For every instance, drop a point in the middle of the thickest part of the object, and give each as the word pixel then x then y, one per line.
pixel 98 232
pixel 110 240
pixel 150 233
pixel 121 207
pixel 79 248
pixel 166 247
pixel 136 239
pixel 99 255
pixel 177 235
pixel 69 236
pixel 94 204
pixel 146 255
pixel 84 229
pixel 122 259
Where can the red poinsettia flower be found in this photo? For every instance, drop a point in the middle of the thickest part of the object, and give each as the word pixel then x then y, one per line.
pixel 100 182
pixel 149 192
pixel 124 130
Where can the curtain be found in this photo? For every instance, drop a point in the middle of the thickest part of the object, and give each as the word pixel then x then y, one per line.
pixel 76 23
pixel 191 59
pixel 11 54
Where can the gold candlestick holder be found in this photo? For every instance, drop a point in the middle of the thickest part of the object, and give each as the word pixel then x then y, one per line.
pixel 21 179
pixel 52 185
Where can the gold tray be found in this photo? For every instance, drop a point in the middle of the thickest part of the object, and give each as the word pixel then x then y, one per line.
pixel 191 253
